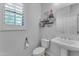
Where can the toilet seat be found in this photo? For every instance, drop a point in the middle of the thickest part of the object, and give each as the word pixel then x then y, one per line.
pixel 39 51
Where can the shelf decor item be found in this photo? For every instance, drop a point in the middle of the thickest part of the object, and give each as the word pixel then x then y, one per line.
pixel 50 19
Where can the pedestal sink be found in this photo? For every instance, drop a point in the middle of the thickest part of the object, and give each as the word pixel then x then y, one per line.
pixel 66 45
pixel 66 41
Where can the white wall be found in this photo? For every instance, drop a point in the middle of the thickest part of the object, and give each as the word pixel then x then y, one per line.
pixel 34 15
pixel 12 42
pixel 66 21
pixel 47 32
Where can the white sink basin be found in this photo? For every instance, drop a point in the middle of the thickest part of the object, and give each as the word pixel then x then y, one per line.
pixel 67 41
pixel 67 44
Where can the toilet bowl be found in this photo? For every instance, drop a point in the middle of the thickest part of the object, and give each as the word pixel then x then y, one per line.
pixel 40 51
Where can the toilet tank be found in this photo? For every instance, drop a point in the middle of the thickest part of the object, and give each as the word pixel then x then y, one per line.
pixel 45 43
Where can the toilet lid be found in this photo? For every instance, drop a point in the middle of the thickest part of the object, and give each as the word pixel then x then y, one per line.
pixel 39 50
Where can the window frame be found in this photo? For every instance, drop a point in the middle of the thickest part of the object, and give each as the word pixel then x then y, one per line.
pixel 15 13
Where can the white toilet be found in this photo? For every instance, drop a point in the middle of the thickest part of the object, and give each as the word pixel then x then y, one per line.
pixel 40 51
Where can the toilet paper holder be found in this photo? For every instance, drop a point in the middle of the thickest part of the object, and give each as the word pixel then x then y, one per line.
pixel 26 43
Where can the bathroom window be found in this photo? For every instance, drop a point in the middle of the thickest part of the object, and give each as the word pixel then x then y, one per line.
pixel 14 14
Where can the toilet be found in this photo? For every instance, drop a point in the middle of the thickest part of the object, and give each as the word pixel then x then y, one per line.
pixel 40 51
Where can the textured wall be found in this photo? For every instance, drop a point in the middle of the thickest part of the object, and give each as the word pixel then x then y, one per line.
pixel 12 42
pixel 66 21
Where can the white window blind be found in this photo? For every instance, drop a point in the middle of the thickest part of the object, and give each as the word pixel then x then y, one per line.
pixel 14 14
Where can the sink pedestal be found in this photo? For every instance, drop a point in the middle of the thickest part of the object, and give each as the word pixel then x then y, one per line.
pixel 63 52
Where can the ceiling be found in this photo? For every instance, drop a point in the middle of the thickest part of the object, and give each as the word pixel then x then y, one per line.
pixel 60 5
